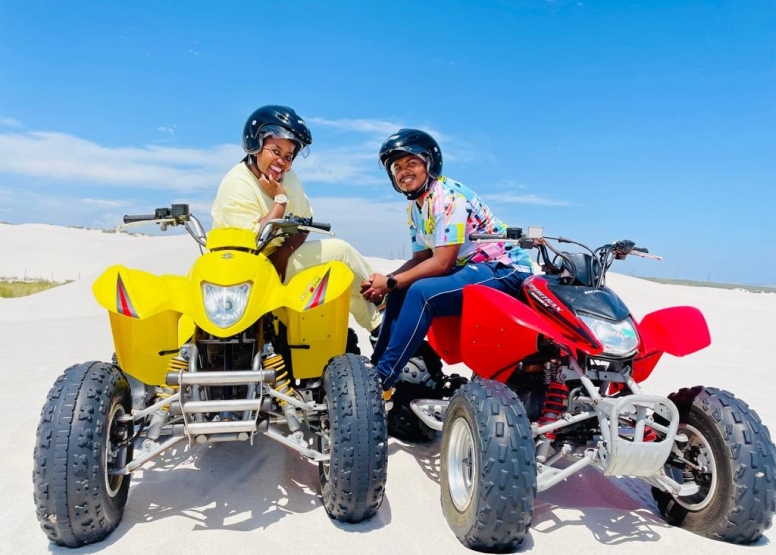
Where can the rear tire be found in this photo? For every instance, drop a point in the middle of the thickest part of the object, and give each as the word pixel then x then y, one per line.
pixel 488 467
pixel 737 498
pixel 77 501
pixel 353 481
pixel 421 378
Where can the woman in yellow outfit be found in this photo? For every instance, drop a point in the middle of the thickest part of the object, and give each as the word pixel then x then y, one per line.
pixel 263 187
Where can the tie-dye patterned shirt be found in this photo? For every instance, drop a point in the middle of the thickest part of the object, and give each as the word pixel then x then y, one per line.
pixel 450 212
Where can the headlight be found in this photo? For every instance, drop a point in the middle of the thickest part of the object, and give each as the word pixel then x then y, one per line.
pixel 618 339
pixel 224 306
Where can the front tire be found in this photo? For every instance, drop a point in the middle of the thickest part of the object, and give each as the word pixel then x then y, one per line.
pixel 353 480
pixel 736 474
pixel 488 467
pixel 79 442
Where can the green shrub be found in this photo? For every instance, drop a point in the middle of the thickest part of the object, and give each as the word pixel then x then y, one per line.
pixel 21 288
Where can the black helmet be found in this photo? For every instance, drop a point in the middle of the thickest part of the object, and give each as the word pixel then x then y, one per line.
pixel 275 121
pixel 412 141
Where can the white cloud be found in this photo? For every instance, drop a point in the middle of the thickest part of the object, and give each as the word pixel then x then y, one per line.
pixel 512 198
pixel 345 166
pixel 382 129
pixel 113 181
pixel 379 127
pixel 10 122
pixel 168 130
pixel 101 202
pixel 59 156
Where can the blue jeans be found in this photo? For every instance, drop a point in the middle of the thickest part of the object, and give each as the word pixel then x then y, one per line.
pixel 409 312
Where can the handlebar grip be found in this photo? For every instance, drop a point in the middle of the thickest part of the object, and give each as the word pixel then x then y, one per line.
pixel 144 218
pixel 320 225
pixel 480 236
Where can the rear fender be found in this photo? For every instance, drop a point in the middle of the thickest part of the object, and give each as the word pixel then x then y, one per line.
pixel 678 331
pixel 497 331
pixel 445 338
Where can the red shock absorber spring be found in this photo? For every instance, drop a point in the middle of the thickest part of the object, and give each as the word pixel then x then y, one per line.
pixel 554 404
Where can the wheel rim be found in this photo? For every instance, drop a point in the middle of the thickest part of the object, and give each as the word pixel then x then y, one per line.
pixel 699 452
pixel 461 465
pixel 113 456
pixel 324 444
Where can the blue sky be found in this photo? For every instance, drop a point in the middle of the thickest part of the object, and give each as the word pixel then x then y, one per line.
pixel 599 120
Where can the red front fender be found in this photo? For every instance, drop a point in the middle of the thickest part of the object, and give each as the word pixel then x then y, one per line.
pixel 678 331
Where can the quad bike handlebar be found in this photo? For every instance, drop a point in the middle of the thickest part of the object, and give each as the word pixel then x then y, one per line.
pixel 287 226
pixel 178 214
pixel 564 263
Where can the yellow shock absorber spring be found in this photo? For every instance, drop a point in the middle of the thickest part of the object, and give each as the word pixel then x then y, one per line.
pixel 282 381
pixel 177 364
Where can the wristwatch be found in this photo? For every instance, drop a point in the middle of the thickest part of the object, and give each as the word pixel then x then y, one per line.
pixel 281 199
pixel 391 283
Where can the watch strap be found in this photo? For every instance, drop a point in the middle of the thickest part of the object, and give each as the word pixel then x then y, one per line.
pixel 392 283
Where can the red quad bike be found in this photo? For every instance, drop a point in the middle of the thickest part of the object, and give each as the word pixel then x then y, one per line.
pixel 555 388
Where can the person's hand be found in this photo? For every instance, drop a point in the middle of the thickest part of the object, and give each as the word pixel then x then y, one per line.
pixel 378 288
pixel 270 186
pixel 367 283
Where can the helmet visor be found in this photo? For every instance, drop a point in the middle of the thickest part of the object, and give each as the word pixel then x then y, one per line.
pixel 280 132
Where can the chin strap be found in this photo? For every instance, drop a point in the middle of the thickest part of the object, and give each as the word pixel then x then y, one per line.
pixel 414 195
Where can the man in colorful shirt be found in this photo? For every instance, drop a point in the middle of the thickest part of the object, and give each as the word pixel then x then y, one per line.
pixel 441 215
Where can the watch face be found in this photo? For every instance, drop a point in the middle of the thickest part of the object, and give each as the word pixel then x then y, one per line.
pixel 391 283
pixel 281 199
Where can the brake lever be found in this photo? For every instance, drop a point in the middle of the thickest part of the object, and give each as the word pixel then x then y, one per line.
pixel 646 255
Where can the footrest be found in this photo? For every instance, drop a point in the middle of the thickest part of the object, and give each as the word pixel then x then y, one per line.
pixel 431 412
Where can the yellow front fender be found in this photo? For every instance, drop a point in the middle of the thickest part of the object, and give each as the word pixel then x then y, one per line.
pixel 144 312
pixel 317 303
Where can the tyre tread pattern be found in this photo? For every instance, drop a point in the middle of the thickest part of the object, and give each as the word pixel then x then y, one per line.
pixel 752 456
pixel 69 485
pixel 358 439
pixel 508 471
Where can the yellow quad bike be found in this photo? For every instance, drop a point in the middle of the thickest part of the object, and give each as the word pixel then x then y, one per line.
pixel 221 354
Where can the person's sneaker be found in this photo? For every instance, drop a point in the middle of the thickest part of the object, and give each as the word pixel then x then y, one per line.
pixel 387 398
